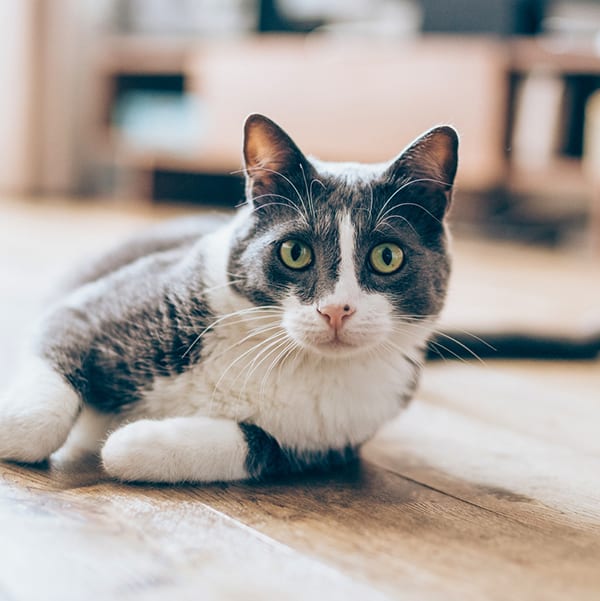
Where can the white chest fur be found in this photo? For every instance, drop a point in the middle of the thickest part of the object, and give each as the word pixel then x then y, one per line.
pixel 306 402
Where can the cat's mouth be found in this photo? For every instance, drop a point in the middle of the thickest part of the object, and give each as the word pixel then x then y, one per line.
pixel 336 343
pixel 337 347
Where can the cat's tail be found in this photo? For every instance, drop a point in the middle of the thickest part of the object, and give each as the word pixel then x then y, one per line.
pixel 36 413
pixel 513 345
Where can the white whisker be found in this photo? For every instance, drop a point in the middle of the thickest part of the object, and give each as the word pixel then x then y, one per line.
pixel 280 204
pixel 291 344
pixel 264 308
pixel 262 357
pixel 283 177
pixel 437 332
pixel 237 359
pixel 253 334
pixel 385 221
pixel 411 204
pixel 308 198
pixel 255 363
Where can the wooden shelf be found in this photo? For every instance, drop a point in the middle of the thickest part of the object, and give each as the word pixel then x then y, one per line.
pixel 165 161
pixel 218 70
pixel 131 54
pixel 553 54
pixel 560 177
pixel 115 148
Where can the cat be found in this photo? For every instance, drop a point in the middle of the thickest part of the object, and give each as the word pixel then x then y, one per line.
pixel 276 341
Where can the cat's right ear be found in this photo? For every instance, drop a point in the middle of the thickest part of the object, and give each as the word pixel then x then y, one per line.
pixel 271 158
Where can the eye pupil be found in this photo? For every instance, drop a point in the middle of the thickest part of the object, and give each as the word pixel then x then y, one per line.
pixel 386 258
pixel 295 254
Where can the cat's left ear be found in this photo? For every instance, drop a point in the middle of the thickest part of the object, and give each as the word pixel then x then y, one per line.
pixel 429 162
pixel 272 160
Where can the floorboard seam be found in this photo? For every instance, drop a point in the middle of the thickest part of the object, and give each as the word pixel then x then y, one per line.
pixel 450 495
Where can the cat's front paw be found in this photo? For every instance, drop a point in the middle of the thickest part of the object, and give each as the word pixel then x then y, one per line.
pixel 128 451
pixel 36 413
pixel 180 449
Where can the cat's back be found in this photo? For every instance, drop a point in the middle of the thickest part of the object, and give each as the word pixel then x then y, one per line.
pixel 169 236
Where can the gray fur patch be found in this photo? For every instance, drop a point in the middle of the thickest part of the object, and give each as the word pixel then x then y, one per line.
pixel 267 459
pixel 114 336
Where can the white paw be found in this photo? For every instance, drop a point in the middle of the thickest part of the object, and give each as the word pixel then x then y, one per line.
pixel 128 451
pixel 36 414
pixel 179 449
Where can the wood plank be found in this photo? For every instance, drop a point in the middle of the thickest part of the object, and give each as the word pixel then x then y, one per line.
pixel 404 538
pixel 112 542
pixel 551 487
pixel 553 402
pixel 416 538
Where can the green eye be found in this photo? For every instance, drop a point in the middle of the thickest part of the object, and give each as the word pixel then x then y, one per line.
pixel 386 258
pixel 295 254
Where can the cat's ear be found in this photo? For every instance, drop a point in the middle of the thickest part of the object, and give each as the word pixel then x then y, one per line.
pixel 429 162
pixel 271 158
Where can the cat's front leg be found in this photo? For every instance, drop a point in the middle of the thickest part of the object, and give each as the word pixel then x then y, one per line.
pixel 204 449
pixel 36 413
pixel 178 449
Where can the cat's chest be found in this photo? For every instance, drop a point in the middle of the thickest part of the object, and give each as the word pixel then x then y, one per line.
pixel 304 401
pixel 331 405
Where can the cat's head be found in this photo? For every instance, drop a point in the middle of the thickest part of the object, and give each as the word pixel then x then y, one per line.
pixel 350 256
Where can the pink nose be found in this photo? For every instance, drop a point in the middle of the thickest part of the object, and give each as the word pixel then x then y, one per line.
pixel 336 314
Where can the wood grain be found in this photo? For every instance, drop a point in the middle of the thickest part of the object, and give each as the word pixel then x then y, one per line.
pixel 117 542
pixel 486 488
pixel 559 403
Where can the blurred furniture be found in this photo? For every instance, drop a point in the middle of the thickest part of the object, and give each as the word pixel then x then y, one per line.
pixel 42 54
pixel 562 60
pixel 559 180
pixel 347 99
pixel 499 17
pixel 356 100
pixel 518 103
pixel 591 163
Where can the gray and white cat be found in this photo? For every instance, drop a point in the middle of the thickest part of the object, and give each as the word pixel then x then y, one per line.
pixel 277 342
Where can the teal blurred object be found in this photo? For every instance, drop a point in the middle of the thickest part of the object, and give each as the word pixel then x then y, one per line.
pixel 160 121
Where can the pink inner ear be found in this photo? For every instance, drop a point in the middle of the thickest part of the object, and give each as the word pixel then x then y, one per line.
pixel 433 155
pixel 259 149
pixel 439 150
pixel 268 150
pixel 265 144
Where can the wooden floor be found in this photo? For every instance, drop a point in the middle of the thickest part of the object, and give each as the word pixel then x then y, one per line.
pixel 488 487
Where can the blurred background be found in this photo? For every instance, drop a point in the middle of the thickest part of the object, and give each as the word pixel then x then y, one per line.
pixel 141 103
pixel 145 98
